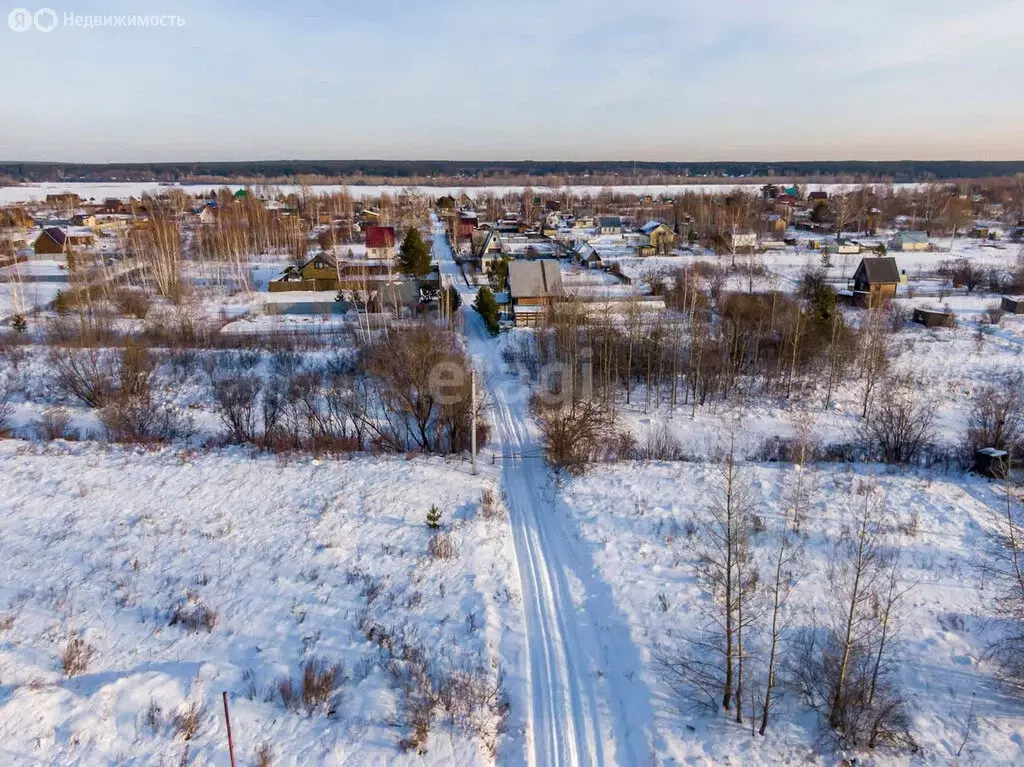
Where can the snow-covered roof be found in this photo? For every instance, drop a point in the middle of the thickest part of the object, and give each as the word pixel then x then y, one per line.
pixel 534 279
pixel 912 236
pixel 650 226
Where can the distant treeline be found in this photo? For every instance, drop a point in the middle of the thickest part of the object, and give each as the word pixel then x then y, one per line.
pixel 470 172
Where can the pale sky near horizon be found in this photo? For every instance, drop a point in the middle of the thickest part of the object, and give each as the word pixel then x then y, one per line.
pixel 471 79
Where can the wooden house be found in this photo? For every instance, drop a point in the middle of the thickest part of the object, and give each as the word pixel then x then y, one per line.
pixel 777 223
pixel 533 286
pixel 112 206
pixel 587 255
pixel 877 277
pixel 467 223
pixel 318 273
pixel 51 241
pixel 609 224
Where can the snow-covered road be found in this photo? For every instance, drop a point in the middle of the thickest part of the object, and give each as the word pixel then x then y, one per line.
pixel 587 703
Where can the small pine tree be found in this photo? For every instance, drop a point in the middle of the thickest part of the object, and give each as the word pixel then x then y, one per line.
pixel 434 518
pixel 19 323
pixel 61 304
pixel 414 255
pixel 487 306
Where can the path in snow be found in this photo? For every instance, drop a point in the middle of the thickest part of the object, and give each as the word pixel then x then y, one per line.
pixel 587 703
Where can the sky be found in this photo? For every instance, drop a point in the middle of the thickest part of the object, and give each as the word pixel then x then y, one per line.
pixel 670 80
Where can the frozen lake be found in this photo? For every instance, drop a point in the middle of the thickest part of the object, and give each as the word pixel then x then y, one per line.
pixel 100 191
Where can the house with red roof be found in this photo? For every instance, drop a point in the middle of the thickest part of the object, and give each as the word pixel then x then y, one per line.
pixel 380 242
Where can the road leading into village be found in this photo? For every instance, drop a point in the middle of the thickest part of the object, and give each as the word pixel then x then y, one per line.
pixel 587 704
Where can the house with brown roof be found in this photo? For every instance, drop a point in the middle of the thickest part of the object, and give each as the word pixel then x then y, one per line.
pixel 52 241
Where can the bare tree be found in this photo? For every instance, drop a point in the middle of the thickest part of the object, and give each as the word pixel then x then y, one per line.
pixel 844 670
pixel 902 423
pixel 997 416
pixel 786 555
pixel 1006 565
pixel 712 667
pixel 874 359
pixel 786 559
pixel 853 577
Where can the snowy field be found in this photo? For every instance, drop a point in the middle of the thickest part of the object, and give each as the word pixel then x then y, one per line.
pixel 633 520
pixel 100 191
pixel 20 297
pixel 292 559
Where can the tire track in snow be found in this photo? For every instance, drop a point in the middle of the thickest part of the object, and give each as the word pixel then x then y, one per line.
pixel 570 647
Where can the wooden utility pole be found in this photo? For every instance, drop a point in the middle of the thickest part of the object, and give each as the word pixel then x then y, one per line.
pixel 227 721
pixel 472 395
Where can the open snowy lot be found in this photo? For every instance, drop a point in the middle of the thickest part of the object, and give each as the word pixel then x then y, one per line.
pixel 173 577
pixel 633 520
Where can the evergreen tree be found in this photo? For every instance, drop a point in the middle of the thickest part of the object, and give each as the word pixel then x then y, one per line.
pixel 434 518
pixel 488 309
pixel 414 255
pixel 19 323
pixel 498 274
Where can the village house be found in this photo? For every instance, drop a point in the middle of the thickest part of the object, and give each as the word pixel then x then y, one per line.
pixel 368 217
pixel 876 278
pixel 586 255
pixel 318 273
pixel 487 247
pixel 660 238
pixel 777 223
pixel 609 224
pixel 209 214
pixel 533 286
pixel 380 243
pixel 908 241
pixel 467 223
pixel 54 241
pixel 84 219
pixel 742 242
pixel 51 241
pixel 112 206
